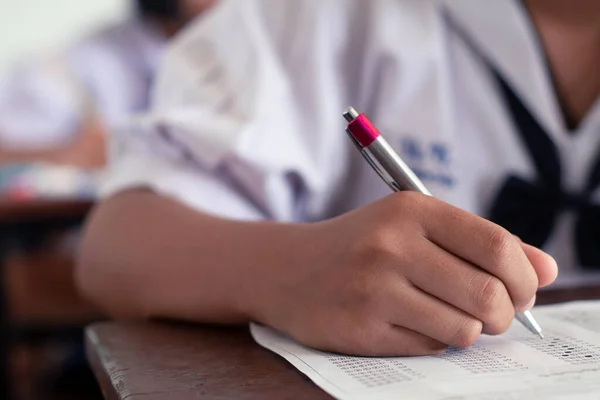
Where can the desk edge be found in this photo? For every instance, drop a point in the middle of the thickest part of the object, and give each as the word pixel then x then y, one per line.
pixel 96 363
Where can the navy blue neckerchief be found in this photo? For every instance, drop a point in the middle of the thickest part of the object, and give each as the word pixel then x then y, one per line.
pixel 530 208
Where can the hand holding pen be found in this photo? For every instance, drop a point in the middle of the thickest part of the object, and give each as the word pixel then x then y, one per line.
pixel 406 275
pixel 393 170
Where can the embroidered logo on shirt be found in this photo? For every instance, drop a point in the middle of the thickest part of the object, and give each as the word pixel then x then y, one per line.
pixel 430 161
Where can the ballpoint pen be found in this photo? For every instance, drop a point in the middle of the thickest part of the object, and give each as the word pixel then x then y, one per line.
pixel 398 175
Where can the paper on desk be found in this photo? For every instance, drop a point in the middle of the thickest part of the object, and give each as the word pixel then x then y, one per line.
pixel 515 365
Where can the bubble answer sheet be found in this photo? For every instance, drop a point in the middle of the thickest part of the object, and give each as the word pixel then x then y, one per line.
pixel 514 365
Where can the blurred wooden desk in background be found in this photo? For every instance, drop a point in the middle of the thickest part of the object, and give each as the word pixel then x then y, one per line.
pixel 36 211
pixel 23 222
pixel 152 361
pixel 554 296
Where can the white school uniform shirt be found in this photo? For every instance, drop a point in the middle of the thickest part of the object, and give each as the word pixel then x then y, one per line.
pixel 107 76
pixel 246 116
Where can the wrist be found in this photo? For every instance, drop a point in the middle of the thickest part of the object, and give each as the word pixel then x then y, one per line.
pixel 278 261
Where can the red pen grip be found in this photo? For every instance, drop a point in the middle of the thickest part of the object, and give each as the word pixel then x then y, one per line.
pixel 363 130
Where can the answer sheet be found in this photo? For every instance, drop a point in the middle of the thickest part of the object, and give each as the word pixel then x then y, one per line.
pixel 514 365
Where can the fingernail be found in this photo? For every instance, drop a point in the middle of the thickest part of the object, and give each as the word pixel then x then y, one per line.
pixel 528 306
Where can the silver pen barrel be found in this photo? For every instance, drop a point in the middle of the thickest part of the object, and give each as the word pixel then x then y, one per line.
pixel 396 167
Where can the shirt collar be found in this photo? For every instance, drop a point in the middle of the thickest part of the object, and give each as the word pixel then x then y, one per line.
pixel 503 31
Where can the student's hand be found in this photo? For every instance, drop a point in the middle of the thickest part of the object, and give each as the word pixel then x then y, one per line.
pixel 407 275
pixel 88 149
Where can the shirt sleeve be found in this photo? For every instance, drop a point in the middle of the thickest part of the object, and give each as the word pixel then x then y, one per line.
pixel 246 114
pixel 39 107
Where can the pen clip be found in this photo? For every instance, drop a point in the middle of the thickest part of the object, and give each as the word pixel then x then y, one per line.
pixel 365 153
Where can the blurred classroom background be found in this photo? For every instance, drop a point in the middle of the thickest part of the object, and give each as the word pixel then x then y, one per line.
pixel 41 208
pixel 28 27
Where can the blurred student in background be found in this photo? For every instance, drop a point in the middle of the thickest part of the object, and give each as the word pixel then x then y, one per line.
pixel 58 108
pixel 240 197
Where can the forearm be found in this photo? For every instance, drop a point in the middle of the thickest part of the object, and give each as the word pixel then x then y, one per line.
pixel 148 256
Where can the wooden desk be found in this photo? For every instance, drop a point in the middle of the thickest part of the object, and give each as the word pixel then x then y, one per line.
pixel 23 221
pixel 152 361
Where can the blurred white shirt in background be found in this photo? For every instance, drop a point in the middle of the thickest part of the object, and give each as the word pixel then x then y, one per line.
pixel 106 76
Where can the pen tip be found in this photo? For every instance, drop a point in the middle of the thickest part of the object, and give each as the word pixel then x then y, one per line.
pixel 350 114
pixel 541 335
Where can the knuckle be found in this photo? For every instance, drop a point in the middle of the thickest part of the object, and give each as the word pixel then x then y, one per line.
pixel 408 197
pixel 489 297
pixel 409 202
pixel 467 334
pixel 375 245
pixel 500 244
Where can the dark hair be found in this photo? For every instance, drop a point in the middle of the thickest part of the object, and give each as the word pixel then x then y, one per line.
pixel 159 8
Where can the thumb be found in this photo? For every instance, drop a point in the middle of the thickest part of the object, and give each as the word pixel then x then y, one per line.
pixel 545 266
